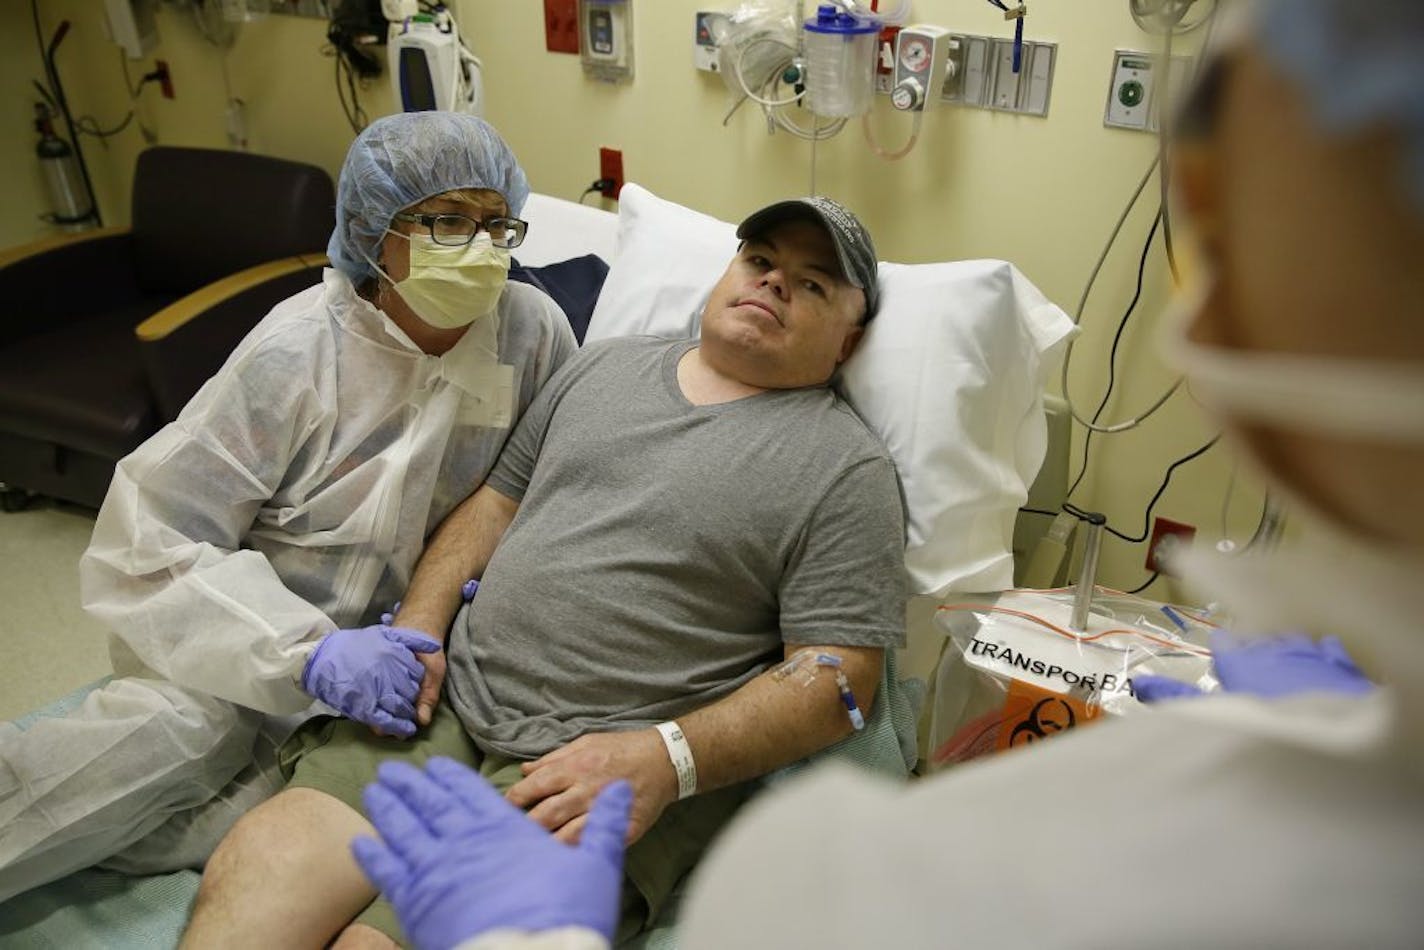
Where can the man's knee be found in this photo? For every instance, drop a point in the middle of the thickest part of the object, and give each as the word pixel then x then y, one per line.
pixel 361 937
pixel 286 868
pixel 299 831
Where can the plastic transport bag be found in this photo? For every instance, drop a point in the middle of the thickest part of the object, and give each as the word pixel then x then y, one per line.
pixel 1013 673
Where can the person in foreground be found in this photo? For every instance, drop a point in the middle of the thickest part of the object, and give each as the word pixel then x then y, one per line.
pixel 1287 814
pixel 670 524
pixel 244 553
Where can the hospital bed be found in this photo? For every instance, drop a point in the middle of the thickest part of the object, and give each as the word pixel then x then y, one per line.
pixel 96 908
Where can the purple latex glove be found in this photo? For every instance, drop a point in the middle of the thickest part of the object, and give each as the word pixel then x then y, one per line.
pixel 1269 668
pixel 370 675
pixel 457 860
pixel 467 594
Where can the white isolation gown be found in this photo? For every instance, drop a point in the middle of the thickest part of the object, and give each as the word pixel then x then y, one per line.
pixel 290 498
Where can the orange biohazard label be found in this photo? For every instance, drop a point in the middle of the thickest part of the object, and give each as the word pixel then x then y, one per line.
pixel 1029 714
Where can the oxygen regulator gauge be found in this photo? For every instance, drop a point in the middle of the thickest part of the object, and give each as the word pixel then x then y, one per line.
pixel 915 54
pixel 921 54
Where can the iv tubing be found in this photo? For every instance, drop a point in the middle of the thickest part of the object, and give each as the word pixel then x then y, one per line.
pixel 896 155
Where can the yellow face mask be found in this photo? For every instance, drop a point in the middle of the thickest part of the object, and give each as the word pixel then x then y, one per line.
pixel 451 287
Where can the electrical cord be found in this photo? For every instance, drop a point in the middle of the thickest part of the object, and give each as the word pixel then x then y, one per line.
pixel 89 124
pixel 355 114
pixel 598 186
pixel 1146 584
pixel 1112 355
pixel 1166 480
pixel 1078 318
pixel 1040 511
pixel 1077 512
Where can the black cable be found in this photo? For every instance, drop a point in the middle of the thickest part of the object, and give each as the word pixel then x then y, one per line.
pixel 1112 356
pixel 597 186
pixel 1040 511
pixel 356 106
pixel 1166 480
pixel 89 125
pixel 352 111
pixel 1146 584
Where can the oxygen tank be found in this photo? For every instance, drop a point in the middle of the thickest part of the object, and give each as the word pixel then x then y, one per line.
pixel 68 198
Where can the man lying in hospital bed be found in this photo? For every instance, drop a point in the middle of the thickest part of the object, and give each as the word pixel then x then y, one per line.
pixel 679 513
pixel 670 518
pixel 949 376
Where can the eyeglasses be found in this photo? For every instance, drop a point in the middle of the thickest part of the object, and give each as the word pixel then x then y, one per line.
pixel 457 230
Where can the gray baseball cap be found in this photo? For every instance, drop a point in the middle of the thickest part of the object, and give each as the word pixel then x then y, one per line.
pixel 852 241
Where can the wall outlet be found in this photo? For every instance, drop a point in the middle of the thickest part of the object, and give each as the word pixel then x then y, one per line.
pixel 708 30
pixel 610 167
pixel 561 33
pixel 1166 535
pixel 165 78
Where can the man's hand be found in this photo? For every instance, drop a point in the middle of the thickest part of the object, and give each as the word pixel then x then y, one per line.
pixel 434 663
pixel 430 684
pixel 558 789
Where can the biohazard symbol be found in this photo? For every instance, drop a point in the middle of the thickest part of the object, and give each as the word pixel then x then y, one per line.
pixel 1047 717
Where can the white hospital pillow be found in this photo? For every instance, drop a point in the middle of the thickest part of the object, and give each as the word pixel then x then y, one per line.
pixel 949 376
pixel 668 259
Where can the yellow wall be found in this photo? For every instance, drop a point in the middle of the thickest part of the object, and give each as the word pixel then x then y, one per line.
pixel 1043 193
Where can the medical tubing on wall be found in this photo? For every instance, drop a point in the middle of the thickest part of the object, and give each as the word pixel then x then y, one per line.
pixel 1112 353
pixel 900 153
pixel 1112 239
pixel 742 79
pixel 1165 164
pixel 774 108
pixel 1137 420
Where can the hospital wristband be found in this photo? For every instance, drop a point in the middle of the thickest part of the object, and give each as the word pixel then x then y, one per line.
pixel 681 755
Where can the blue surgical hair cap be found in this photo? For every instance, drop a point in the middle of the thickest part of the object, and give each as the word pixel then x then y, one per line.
pixel 401 160
pixel 1359 63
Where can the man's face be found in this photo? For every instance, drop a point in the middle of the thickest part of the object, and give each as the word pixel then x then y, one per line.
pixel 480 204
pixel 782 316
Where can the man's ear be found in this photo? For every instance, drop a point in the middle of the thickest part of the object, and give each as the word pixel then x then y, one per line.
pixel 848 345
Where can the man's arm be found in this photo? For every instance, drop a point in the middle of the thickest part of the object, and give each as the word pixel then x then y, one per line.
pixel 769 723
pixel 764 725
pixel 461 548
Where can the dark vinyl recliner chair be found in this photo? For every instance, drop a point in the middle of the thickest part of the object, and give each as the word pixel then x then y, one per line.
pixel 106 334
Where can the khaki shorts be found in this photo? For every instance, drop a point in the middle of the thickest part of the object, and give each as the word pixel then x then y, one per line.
pixel 339 757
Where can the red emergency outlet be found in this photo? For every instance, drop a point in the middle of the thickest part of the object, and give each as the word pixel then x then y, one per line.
pixel 561 31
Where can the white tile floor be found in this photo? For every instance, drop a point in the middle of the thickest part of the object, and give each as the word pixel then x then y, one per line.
pixel 48 645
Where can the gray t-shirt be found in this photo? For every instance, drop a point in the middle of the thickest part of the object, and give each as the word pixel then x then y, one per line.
pixel 663 552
